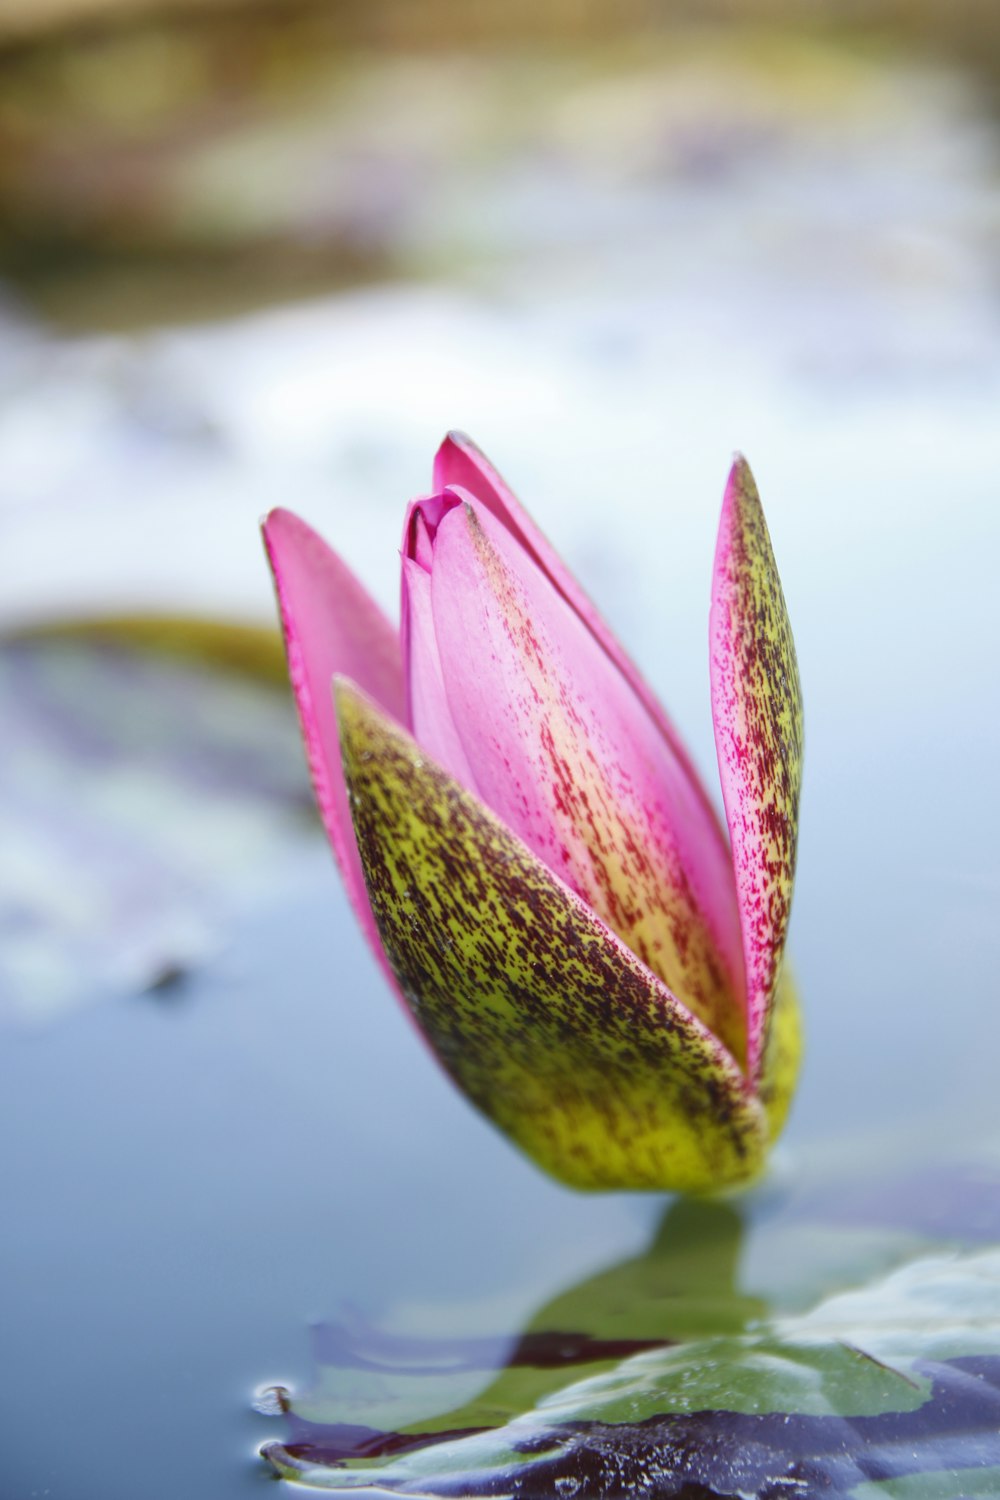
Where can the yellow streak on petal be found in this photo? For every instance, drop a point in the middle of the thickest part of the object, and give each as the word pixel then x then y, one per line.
pixel 541 1016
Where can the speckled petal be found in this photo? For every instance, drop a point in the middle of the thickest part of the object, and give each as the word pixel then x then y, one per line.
pixel 459 463
pixel 757 712
pixel 331 625
pixel 566 755
pixel 538 1012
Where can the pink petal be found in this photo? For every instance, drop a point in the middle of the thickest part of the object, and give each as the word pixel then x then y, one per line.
pixel 331 625
pixel 429 715
pixel 757 711
pixel 564 752
pixel 460 464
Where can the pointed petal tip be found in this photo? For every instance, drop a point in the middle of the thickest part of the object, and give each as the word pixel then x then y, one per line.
pixel 455 452
pixel 455 437
pixel 348 698
pixel 353 706
pixel 451 440
pixel 281 527
pixel 740 481
pixel 270 522
pixel 277 517
pixel 271 518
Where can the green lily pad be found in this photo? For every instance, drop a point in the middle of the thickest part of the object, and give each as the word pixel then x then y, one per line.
pixel 872 1369
pixel 151 785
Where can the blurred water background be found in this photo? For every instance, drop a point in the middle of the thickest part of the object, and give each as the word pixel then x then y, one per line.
pixel 259 254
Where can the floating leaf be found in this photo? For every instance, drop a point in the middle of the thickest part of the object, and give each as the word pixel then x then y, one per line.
pixel 145 793
pixel 663 1377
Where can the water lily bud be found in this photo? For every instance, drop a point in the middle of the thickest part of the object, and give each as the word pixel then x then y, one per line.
pixel 527 844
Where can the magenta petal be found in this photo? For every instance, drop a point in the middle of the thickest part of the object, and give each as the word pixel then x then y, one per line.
pixel 331 626
pixel 429 715
pixel 568 757
pixel 459 463
pixel 757 713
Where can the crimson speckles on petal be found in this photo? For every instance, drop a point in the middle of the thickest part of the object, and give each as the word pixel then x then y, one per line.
pixel 530 850
pixel 757 711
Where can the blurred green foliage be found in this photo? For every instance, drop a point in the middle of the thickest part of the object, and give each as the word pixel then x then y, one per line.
pixel 189 158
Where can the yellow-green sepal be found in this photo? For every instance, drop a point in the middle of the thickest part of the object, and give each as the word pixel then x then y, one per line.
pixel 539 1013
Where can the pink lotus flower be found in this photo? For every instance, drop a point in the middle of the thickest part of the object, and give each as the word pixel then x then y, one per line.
pixel 528 848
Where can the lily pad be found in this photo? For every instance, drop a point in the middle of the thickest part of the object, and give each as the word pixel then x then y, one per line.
pixel 668 1376
pixel 151 786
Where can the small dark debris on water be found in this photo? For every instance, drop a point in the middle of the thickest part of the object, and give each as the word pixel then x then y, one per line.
pixel 169 982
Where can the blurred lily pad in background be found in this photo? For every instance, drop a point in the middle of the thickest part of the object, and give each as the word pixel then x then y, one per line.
pixel 145 800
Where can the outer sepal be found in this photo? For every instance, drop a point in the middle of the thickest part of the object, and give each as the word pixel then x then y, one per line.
pixel 549 1024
